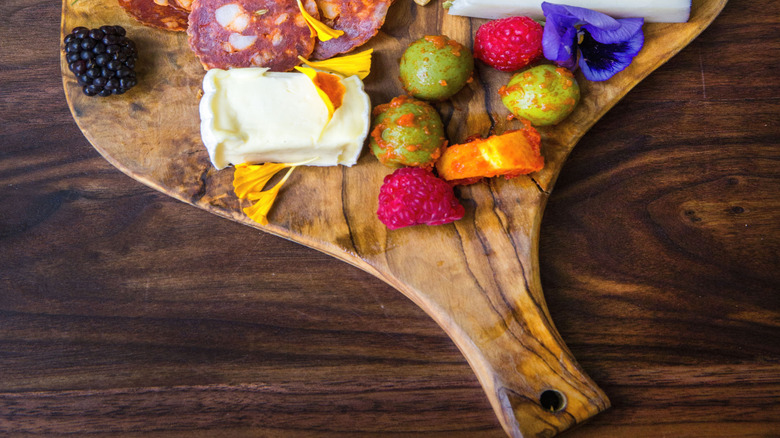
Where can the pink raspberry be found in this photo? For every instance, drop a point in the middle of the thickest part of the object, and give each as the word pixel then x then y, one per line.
pixel 510 43
pixel 412 196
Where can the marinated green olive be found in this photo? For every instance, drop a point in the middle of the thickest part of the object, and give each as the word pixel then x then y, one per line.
pixel 407 132
pixel 543 95
pixel 435 67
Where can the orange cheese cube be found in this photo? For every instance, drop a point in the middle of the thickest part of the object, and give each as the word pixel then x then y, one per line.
pixel 510 154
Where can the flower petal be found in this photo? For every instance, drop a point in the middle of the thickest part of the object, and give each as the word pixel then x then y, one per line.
pixel 357 64
pixel 249 178
pixel 582 15
pixel 628 28
pixel 318 28
pixel 329 88
pixel 258 212
pixel 600 62
pixel 552 8
pixel 559 40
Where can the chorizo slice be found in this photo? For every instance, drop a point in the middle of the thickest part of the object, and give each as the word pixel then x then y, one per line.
pixel 250 33
pixel 359 19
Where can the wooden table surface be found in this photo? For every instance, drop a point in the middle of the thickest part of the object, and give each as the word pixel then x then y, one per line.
pixel 125 312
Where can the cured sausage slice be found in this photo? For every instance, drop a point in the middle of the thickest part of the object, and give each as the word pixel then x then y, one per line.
pixel 184 4
pixel 359 19
pixel 250 33
pixel 161 15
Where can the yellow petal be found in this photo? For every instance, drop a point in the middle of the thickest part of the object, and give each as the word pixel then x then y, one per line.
pixel 258 212
pixel 329 88
pixel 318 28
pixel 358 64
pixel 250 178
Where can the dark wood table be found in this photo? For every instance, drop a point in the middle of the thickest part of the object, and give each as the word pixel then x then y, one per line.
pixel 125 312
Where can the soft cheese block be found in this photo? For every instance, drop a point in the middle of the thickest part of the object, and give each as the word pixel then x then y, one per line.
pixel 653 11
pixel 252 115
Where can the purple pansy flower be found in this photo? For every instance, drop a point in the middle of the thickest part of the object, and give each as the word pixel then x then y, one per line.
pixel 601 45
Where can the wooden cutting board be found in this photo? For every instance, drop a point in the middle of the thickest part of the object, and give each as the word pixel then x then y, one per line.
pixel 477 278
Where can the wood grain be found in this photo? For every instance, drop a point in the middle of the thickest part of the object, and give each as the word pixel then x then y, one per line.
pixel 111 290
pixel 478 279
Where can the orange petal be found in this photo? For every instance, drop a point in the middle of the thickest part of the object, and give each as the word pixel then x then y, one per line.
pixel 258 212
pixel 318 28
pixel 329 88
pixel 357 64
pixel 249 178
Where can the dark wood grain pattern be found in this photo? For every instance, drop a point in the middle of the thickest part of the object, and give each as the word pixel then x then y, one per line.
pixel 125 312
pixel 478 279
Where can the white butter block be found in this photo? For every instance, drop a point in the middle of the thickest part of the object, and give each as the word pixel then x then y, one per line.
pixel 251 115
pixel 653 11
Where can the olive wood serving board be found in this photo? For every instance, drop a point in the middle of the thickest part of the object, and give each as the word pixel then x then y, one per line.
pixel 477 278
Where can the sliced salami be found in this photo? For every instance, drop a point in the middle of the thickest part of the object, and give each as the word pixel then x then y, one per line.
pixel 162 15
pixel 250 33
pixel 184 4
pixel 359 19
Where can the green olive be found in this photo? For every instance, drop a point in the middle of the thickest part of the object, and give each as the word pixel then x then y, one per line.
pixel 544 94
pixel 435 67
pixel 407 132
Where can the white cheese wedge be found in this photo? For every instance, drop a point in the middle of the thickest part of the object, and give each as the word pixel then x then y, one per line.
pixel 653 11
pixel 251 115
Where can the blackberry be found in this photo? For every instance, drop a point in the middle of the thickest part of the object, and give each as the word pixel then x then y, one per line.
pixel 103 59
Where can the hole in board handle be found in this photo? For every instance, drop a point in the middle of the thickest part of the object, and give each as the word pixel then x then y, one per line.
pixel 552 400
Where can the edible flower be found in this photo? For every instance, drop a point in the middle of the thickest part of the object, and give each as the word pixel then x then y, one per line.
pixel 601 45
pixel 318 28
pixel 258 212
pixel 357 64
pixel 252 178
pixel 329 88
pixel 249 181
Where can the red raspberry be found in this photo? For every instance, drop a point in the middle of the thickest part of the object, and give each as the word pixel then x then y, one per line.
pixel 412 196
pixel 510 43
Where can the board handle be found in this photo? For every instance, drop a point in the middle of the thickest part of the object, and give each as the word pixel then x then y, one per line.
pixel 532 381
pixel 493 309
pixel 534 384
